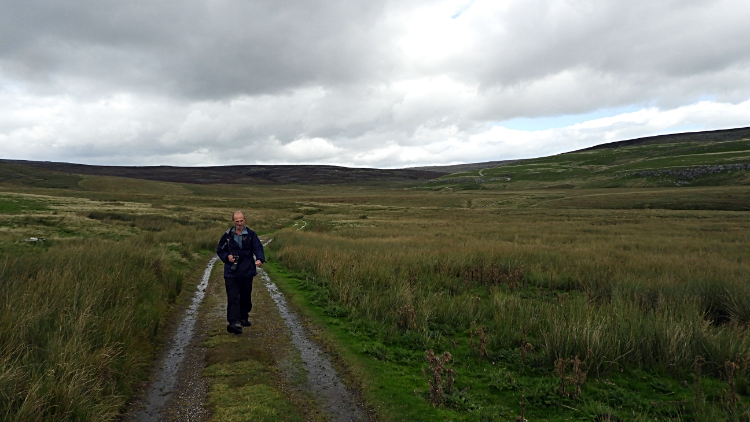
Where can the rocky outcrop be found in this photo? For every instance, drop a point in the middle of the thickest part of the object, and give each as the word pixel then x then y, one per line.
pixel 691 173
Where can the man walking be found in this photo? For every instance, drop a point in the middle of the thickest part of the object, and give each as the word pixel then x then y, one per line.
pixel 236 249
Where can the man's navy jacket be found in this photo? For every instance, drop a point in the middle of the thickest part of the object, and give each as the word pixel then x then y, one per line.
pixel 250 246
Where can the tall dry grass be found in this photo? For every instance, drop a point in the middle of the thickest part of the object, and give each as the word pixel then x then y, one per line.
pixel 651 290
pixel 80 321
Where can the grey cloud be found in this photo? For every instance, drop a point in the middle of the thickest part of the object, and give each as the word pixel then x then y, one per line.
pixel 542 37
pixel 222 49
pixel 193 48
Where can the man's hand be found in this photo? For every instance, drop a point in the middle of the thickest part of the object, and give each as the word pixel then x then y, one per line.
pixel 258 263
pixel 230 258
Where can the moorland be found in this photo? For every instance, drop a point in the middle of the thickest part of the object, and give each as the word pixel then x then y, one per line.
pixel 603 284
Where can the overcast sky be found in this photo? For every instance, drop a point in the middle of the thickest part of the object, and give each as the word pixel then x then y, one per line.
pixel 361 83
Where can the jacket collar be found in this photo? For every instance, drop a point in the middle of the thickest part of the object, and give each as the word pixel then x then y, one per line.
pixel 232 231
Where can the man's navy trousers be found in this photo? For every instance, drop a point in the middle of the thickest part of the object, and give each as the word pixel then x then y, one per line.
pixel 239 281
pixel 239 302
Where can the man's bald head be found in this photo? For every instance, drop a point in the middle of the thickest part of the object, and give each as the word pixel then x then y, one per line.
pixel 238 218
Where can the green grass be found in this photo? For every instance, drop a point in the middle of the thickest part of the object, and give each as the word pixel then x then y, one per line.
pixel 727 198
pixel 29 177
pixel 17 205
pixel 244 390
pixel 120 185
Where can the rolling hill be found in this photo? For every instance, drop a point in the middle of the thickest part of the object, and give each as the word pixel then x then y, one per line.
pixel 690 159
pixel 60 175
pixel 685 159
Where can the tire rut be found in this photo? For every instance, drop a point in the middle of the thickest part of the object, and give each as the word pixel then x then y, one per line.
pixel 322 378
pixel 172 370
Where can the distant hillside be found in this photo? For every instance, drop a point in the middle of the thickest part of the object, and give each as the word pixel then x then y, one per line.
pixel 714 158
pixel 682 159
pixel 705 136
pixel 287 174
pixel 458 168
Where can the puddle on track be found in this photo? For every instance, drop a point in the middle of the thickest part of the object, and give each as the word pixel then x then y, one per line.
pixel 161 391
pixel 336 400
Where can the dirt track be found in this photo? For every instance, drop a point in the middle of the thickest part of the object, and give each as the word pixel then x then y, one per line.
pixel 304 373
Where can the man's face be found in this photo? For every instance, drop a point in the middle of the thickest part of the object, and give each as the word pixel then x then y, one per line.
pixel 239 221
